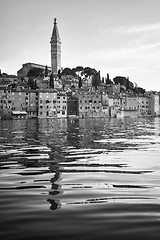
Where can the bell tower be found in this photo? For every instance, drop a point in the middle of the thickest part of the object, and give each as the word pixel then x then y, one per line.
pixel 55 49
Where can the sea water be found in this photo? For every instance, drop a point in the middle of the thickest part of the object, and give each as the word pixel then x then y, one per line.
pixel 80 179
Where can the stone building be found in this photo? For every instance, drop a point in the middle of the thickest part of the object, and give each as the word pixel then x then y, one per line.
pixel 154 104
pixel 52 104
pixel 143 105
pixel 89 104
pixel 27 66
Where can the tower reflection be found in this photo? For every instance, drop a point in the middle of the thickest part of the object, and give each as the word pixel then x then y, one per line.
pixel 56 190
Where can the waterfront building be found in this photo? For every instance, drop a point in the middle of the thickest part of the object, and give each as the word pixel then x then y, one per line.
pixel 55 49
pixel 154 103
pixel 5 103
pixel 114 105
pixel 32 103
pixel 129 106
pixel 143 105
pixel 89 103
pixel 52 104
pixel 18 103
pixel 130 103
pixel 72 105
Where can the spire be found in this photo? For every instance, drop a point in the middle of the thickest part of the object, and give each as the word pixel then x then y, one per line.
pixel 55 33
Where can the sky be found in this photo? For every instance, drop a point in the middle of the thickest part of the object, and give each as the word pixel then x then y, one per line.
pixel 118 37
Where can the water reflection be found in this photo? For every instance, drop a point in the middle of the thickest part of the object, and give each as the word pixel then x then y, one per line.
pixel 55 187
pixel 88 168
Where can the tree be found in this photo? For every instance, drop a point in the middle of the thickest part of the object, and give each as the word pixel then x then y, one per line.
pixel 80 82
pixel 120 80
pixel 32 83
pixel 89 71
pixel 139 90
pixel 59 74
pixel 96 81
pixel 67 71
pixel 73 72
pixel 35 72
pixel 108 81
pixel 46 71
pixel 51 81
pixel 79 68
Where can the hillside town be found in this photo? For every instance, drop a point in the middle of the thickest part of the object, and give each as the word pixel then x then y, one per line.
pixel 40 91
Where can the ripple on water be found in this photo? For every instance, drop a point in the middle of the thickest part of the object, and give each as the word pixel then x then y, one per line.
pixel 83 179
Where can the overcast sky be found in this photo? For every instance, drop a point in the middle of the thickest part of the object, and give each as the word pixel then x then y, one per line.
pixel 119 37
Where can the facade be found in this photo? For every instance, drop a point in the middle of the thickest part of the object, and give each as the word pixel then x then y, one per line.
pixel 89 104
pixel 72 105
pixel 113 88
pixel 18 103
pixel 32 103
pixel 52 104
pixel 55 50
pixel 143 106
pixel 154 104
pixel 5 103
pixel 43 82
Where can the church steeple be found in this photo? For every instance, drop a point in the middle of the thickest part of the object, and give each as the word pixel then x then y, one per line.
pixel 55 33
pixel 55 49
